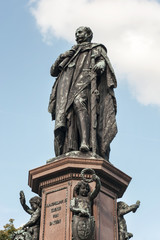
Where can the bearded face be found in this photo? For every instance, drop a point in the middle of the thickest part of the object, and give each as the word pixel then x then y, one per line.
pixel 81 35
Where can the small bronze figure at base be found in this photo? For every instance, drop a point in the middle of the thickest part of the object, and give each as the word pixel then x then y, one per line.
pixel 122 209
pixel 30 230
pixel 83 223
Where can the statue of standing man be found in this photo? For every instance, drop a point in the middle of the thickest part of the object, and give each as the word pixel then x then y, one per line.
pixel 82 101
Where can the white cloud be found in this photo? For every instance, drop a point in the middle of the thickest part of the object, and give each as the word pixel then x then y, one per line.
pixel 130 29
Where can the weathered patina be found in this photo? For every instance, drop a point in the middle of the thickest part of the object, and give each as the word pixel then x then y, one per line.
pixel 82 101
pixel 83 223
pixel 122 209
pixel 30 230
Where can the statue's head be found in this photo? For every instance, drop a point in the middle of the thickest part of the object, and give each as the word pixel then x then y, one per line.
pixel 83 34
pixel 35 202
pixel 82 188
pixel 121 205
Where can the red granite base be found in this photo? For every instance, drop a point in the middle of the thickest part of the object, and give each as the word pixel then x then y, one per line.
pixel 55 182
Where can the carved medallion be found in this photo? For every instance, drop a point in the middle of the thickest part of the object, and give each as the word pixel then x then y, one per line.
pixel 83 228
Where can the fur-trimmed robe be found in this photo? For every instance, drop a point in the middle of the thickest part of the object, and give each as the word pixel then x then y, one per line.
pixel 73 76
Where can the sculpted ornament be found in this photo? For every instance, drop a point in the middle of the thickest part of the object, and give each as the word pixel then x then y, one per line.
pixel 83 223
pixel 30 230
pixel 122 209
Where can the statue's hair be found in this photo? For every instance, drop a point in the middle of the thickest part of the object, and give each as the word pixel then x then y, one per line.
pixel 36 200
pixel 121 204
pixel 77 187
pixel 88 31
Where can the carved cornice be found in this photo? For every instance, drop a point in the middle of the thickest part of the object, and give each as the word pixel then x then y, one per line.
pixel 68 168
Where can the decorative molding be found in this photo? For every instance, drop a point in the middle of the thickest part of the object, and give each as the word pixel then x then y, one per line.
pixel 60 179
pixel 103 168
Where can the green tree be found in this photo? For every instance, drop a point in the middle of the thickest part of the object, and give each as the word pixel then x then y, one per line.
pixel 9 229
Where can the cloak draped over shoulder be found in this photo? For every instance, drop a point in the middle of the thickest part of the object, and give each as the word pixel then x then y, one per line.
pixel 74 77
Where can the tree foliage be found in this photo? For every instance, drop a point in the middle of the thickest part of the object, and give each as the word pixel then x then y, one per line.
pixel 8 230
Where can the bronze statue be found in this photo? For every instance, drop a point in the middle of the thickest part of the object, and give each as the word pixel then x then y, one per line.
pixel 82 101
pixel 122 209
pixel 83 223
pixel 30 231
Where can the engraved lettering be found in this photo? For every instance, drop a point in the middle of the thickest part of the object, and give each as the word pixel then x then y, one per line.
pixel 55 222
pixel 56 203
pixel 55 209
pixel 56 215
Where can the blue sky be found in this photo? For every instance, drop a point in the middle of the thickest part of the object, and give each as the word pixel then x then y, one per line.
pixel 28 48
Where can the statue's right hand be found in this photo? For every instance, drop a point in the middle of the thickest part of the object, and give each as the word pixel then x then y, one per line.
pixel 138 203
pixel 84 213
pixel 136 206
pixel 22 198
pixel 67 54
pixel 81 213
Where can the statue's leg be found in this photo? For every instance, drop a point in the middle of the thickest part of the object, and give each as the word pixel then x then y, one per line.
pixel 35 234
pixel 59 140
pixel 81 111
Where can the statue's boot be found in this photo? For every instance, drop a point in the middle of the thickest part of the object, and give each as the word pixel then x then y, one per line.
pixel 84 147
pixel 84 130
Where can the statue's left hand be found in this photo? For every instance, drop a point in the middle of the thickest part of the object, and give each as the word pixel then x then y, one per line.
pixel 99 67
pixel 67 54
pixel 95 178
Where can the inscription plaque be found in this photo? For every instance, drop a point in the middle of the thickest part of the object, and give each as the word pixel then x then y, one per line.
pixel 55 214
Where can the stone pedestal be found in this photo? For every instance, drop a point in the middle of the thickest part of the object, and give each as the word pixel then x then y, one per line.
pixel 55 181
